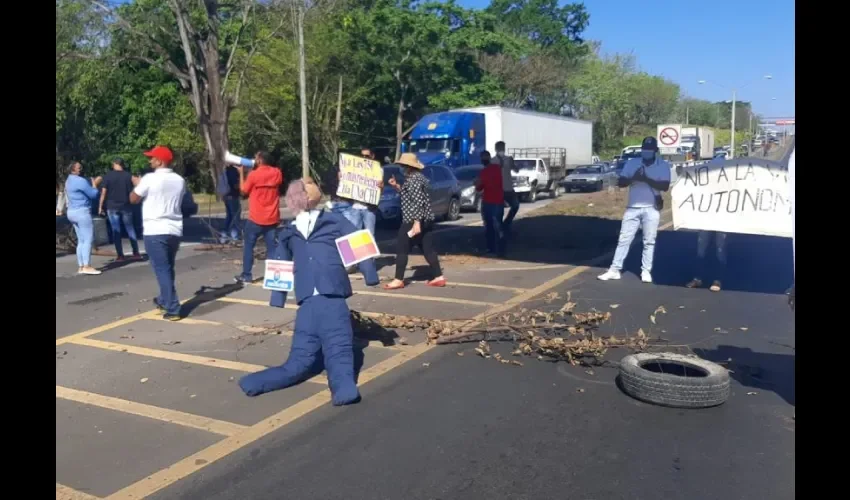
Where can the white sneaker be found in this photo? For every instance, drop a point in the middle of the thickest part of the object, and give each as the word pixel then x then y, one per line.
pixel 610 274
pixel 645 277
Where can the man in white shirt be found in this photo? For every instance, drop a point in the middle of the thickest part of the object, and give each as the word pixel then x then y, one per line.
pixel 646 177
pixel 164 195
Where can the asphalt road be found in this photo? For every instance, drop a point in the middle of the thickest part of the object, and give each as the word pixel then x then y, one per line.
pixel 153 407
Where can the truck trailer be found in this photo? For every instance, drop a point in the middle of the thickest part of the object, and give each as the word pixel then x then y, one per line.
pixel 699 140
pixel 455 138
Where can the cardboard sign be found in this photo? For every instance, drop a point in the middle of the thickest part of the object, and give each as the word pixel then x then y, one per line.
pixel 359 179
pixel 279 276
pixel 357 247
pixel 743 195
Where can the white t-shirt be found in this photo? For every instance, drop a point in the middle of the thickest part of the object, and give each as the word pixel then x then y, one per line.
pixel 640 194
pixel 163 192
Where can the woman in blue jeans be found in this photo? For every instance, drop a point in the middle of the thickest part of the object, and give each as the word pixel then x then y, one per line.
pixel 80 193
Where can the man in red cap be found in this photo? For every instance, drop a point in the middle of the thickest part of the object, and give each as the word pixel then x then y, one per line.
pixel 166 202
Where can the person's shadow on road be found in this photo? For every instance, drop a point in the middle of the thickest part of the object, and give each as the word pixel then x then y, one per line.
pixel 757 370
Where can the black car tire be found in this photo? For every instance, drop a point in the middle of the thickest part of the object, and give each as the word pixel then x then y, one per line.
pixel 599 186
pixel 674 380
pixel 532 195
pixel 555 191
pixel 454 210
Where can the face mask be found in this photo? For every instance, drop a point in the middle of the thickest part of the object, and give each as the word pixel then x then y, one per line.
pixel 647 155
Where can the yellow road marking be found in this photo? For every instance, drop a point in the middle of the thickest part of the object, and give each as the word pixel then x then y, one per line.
pixel 221 449
pixel 103 328
pixel 254 302
pixel 263 303
pixel 512 289
pixel 424 297
pixel 65 493
pixel 186 321
pixel 522 268
pixel 153 412
pixel 185 358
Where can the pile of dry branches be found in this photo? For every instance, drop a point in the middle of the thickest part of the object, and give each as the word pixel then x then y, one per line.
pixel 560 334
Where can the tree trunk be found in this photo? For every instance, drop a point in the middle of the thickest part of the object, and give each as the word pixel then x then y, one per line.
pixel 399 123
pixel 217 110
pixel 302 83
pixel 338 123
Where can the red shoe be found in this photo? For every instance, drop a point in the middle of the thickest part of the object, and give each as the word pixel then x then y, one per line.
pixel 439 282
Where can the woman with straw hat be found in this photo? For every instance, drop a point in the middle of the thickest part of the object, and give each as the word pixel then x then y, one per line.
pixel 417 225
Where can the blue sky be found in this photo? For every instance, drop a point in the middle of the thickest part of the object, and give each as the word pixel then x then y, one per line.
pixel 731 42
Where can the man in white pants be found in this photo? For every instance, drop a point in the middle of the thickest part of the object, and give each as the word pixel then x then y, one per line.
pixel 646 177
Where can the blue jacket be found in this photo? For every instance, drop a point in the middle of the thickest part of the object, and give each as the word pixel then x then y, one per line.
pixel 317 264
pixel 80 192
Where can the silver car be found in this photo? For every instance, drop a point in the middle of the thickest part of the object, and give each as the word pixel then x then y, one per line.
pixel 589 178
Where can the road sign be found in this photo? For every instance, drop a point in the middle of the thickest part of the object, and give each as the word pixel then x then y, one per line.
pixel 785 122
pixel 668 138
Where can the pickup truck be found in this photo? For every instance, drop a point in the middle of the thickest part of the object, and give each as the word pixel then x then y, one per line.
pixel 533 175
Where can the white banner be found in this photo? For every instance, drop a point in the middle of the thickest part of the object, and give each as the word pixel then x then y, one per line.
pixel 742 195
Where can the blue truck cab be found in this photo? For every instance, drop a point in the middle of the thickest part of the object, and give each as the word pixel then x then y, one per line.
pixel 451 138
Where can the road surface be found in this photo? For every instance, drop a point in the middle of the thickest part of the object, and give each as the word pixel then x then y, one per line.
pixel 148 408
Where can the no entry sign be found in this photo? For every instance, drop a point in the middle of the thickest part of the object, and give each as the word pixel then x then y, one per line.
pixel 669 137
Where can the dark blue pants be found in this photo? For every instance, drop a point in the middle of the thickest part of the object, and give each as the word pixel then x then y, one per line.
pixel 252 234
pixel 162 252
pixel 491 214
pixel 116 217
pixel 232 219
pixel 512 200
pixel 322 328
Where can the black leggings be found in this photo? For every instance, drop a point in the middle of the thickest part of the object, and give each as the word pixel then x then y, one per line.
pixel 425 240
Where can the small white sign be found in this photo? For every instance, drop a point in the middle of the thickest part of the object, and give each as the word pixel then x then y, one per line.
pixel 669 138
pixel 279 276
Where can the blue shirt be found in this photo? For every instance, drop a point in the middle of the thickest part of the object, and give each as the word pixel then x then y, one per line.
pixel 80 192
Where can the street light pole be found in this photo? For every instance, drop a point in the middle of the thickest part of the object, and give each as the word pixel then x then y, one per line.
pixel 734 97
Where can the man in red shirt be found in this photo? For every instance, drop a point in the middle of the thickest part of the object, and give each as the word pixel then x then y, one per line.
pixel 489 182
pixel 262 187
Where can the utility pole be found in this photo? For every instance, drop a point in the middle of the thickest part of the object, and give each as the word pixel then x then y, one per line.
pixel 302 84
pixel 732 145
pixel 687 114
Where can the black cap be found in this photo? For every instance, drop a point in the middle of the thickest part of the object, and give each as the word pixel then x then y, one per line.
pixel 649 143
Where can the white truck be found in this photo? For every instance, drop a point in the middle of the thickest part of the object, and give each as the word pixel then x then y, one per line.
pixel 538 170
pixel 521 129
pixel 699 141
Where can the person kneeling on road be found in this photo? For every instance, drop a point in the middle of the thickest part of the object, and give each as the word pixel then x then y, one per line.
pixel 323 321
pixel 646 178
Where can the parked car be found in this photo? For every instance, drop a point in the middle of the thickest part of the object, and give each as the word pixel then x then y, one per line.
pixel 470 199
pixel 590 178
pixel 445 194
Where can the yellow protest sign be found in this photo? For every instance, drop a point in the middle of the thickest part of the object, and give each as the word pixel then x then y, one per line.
pixel 359 179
